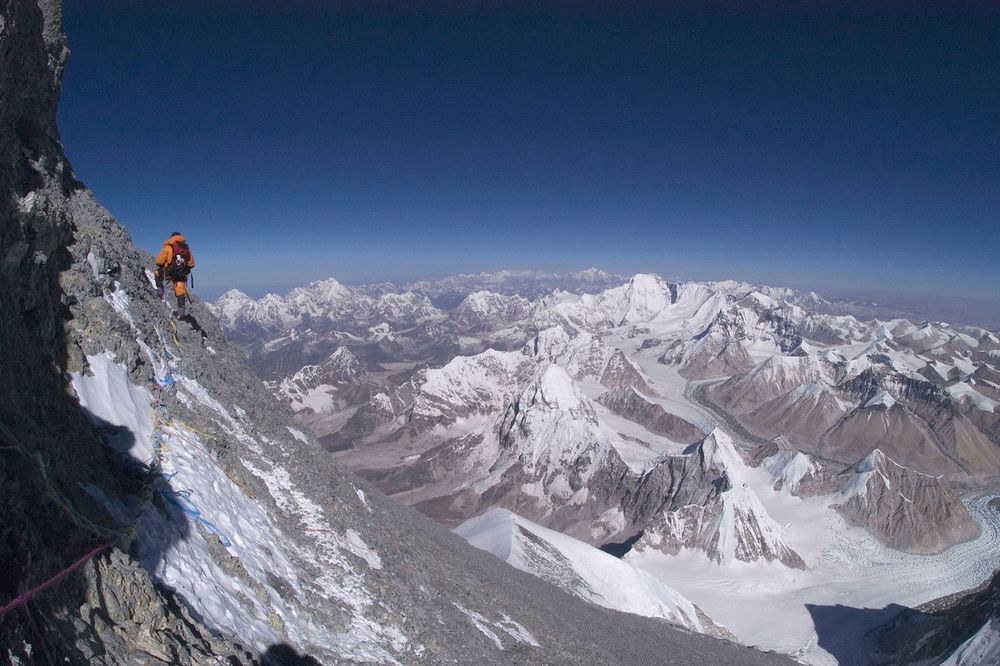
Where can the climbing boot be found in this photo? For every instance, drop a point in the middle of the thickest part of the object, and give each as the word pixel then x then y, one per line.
pixel 181 310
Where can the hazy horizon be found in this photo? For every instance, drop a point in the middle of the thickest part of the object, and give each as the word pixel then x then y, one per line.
pixel 954 309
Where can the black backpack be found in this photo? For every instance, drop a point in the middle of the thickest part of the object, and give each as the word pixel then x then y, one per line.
pixel 178 268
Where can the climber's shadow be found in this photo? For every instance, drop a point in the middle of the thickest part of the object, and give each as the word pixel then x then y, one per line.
pixel 284 655
pixel 142 498
pixel 193 322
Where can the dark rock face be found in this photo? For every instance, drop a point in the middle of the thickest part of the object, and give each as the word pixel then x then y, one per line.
pixel 625 402
pixel 699 500
pixel 111 610
pixel 938 629
pixel 906 510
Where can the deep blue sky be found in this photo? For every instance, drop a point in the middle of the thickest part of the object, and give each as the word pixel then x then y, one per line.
pixel 848 147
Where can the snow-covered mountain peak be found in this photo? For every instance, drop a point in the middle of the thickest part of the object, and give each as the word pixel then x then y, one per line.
pixel 233 295
pixel 483 302
pixel 323 291
pixel 553 428
pixel 591 274
pixel 467 385
pixel 487 310
pixel 345 363
pixel 231 304
pixel 555 390
pixel 718 450
pixel 789 468
pixel 646 296
pixel 550 343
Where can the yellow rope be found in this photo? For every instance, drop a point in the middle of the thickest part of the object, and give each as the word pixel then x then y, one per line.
pixel 192 429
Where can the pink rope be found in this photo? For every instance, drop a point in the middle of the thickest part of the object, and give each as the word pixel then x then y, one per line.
pixel 25 597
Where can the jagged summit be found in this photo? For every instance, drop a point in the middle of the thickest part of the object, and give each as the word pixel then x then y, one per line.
pixel 717 450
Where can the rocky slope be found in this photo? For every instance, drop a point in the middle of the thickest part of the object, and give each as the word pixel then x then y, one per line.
pixel 707 504
pixel 625 402
pixel 113 611
pixel 217 533
pixel 906 510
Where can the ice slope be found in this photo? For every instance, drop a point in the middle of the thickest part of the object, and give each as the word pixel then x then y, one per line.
pixel 199 566
pixel 578 568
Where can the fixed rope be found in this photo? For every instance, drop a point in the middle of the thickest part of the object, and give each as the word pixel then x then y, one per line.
pixel 29 595
pixel 77 518
pixel 159 484
pixel 55 493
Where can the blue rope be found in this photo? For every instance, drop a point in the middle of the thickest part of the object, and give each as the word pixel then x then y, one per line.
pixel 180 499
pixel 192 510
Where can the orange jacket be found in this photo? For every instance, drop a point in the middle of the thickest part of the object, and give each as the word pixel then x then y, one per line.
pixel 166 255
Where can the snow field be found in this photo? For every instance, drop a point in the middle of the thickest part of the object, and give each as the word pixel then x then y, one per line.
pixel 601 578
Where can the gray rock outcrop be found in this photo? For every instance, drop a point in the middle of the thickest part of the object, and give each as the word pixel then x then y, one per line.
pixel 622 372
pixel 700 500
pixel 904 509
pixel 625 402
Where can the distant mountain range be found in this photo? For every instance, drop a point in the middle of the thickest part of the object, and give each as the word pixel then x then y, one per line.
pixel 645 416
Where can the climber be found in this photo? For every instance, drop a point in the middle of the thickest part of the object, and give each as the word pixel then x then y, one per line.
pixel 174 263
